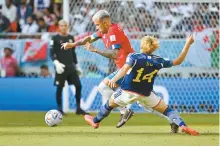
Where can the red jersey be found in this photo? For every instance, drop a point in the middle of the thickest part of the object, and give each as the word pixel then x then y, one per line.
pixel 116 39
pixel 9 64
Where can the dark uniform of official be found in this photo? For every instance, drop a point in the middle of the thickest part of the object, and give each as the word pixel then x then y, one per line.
pixel 68 58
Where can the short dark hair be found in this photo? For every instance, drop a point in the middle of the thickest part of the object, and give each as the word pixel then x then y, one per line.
pixel 44 67
pixel 40 19
pixel 7 48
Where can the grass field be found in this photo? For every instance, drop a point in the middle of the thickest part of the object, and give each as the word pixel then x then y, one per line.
pixel 28 128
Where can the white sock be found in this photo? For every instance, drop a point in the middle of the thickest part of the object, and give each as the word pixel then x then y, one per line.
pixel 106 93
pixel 156 113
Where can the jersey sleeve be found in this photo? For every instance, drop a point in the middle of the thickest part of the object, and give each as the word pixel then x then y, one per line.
pixel 131 59
pixel 52 48
pixel 97 35
pixel 165 63
pixel 75 61
pixel 115 38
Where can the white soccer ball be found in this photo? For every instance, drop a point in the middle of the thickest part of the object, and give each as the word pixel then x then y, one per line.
pixel 53 118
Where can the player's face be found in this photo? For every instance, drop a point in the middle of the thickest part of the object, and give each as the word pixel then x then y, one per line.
pixel 63 27
pixel 101 26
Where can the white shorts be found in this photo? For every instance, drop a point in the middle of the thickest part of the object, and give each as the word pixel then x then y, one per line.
pixel 123 98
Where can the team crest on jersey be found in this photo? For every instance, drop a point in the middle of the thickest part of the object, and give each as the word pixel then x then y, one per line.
pixel 70 40
pixel 112 38
pixel 149 57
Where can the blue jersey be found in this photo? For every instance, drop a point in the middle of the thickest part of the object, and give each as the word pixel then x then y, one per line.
pixel 140 78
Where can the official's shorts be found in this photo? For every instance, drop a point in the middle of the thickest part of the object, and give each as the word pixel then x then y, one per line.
pixel 112 75
pixel 70 75
pixel 124 98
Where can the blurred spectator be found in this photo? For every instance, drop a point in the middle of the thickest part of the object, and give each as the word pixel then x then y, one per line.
pixel 23 12
pixel 43 27
pixel 8 63
pixel 48 16
pixel 44 71
pixel 40 5
pixel 131 26
pixel 57 7
pixel 30 27
pixel 55 26
pixel 4 22
pixel 9 10
pixel 79 24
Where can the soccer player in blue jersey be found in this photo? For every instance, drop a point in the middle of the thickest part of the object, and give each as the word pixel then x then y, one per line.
pixel 139 73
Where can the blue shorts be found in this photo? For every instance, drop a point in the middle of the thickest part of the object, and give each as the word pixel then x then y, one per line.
pixel 112 75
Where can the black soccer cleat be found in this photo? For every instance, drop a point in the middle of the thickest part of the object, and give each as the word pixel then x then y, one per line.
pixel 81 112
pixel 174 128
pixel 124 118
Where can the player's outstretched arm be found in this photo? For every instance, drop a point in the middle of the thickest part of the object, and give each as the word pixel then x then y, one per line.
pixel 184 52
pixel 83 41
pixel 111 54
pixel 121 73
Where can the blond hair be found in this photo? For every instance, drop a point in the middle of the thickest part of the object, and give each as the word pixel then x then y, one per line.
pixel 149 44
pixel 62 21
pixel 100 15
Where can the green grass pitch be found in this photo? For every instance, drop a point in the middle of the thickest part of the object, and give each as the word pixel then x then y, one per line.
pixel 29 128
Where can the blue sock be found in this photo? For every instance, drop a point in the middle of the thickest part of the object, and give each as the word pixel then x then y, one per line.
pixel 174 117
pixel 103 113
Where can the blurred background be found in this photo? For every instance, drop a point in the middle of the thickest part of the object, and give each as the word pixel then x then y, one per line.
pixel 26 26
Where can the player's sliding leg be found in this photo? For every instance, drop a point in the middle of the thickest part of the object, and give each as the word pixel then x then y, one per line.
pixel 174 127
pixel 159 105
pixel 103 113
pixel 125 113
pixel 119 98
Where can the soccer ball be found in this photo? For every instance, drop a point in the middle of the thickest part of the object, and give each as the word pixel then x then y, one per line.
pixel 53 118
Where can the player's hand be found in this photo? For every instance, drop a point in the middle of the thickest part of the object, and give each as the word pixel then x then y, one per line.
pixel 190 39
pixel 67 45
pixel 112 84
pixel 88 46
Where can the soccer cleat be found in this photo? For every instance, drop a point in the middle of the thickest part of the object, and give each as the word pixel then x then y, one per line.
pixel 174 128
pixel 79 111
pixel 89 120
pixel 124 118
pixel 190 131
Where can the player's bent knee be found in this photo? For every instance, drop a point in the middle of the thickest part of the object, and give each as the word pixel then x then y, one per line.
pixel 111 102
pixel 161 106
